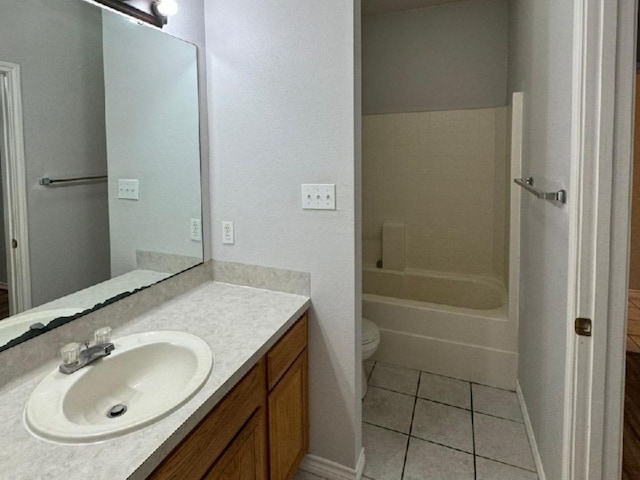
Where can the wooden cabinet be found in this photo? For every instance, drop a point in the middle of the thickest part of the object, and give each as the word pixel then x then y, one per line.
pixel 259 430
pixel 285 352
pixel 193 458
pixel 288 421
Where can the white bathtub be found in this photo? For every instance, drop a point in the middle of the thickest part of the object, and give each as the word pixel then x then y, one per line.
pixel 449 324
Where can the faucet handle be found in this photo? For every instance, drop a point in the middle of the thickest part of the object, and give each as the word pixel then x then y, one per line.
pixel 102 336
pixel 70 353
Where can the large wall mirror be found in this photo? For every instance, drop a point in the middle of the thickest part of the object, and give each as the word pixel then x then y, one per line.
pixel 100 161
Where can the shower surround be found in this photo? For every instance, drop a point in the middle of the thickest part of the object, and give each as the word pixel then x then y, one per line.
pixel 435 202
pixel 444 176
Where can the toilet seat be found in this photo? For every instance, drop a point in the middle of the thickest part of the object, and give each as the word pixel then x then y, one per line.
pixel 370 338
pixel 370 342
pixel 370 332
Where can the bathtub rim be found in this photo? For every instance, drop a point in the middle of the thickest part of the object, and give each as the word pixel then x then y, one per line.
pixel 491 282
pixel 501 313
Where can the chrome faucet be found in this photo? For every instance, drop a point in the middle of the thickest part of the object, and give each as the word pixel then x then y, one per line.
pixel 74 357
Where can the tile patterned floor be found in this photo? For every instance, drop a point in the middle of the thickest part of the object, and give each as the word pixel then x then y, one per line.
pixel 633 325
pixel 417 426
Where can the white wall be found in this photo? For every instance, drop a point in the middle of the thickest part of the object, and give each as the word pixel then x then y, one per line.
pixel 152 135
pixel 541 66
pixel 282 106
pixel 59 47
pixel 444 57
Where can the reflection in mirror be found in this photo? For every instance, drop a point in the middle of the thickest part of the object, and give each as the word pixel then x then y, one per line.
pixel 100 161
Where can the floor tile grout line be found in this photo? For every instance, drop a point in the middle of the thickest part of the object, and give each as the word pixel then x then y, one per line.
pixel 394 391
pixel 413 415
pixel 507 464
pixel 491 386
pixel 421 439
pixel 451 378
pixel 633 340
pixel 473 433
pixel 386 428
pixel 446 376
pixel 447 404
pixel 441 444
pixel 499 418
pixel 371 372
pixel 409 436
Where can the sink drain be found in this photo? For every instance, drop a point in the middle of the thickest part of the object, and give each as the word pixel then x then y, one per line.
pixel 117 411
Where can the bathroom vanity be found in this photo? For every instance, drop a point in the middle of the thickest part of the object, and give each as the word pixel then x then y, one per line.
pixel 249 419
pixel 260 429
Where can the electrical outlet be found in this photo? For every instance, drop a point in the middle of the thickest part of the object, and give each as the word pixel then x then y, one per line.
pixel 228 236
pixel 319 196
pixel 128 189
pixel 196 230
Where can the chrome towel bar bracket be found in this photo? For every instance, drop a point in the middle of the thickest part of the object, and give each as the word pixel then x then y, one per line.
pixel 527 184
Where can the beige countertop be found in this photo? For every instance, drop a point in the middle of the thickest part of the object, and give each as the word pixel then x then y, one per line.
pixel 240 324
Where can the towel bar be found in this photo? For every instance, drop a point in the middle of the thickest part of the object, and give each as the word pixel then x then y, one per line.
pixel 527 184
pixel 51 181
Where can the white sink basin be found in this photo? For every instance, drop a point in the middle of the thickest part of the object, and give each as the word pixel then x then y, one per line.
pixel 151 374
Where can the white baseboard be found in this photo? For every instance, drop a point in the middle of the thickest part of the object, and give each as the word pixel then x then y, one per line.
pixel 4 286
pixel 530 434
pixel 329 470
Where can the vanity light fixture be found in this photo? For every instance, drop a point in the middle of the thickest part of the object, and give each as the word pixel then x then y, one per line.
pixel 124 7
pixel 164 8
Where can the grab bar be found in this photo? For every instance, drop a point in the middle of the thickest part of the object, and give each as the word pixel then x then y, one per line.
pixel 51 181
pixel 527 184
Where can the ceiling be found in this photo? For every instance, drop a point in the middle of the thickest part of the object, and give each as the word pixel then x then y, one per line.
pixel 374 7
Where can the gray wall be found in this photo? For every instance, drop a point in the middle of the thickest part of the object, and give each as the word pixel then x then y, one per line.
pixel 281 77
pixel 444 57
pixel 541 66
pixel 59 47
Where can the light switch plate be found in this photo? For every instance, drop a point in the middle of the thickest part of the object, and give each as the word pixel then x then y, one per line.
pixel 128 189
pixel 319 196
pixel 228 237
pixel 196 230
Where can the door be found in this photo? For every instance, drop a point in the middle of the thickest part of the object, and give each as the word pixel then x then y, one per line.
pixel 14 189
pixel 4 234
pixel 605 96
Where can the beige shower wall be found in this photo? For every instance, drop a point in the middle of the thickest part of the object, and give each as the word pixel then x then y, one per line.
pixel 444 175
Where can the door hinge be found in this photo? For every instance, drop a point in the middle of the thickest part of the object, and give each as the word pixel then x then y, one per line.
pixel 583 327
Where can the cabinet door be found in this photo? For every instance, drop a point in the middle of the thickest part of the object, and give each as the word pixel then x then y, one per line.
pixel 204 446
pixel 288 421
pixel 245 458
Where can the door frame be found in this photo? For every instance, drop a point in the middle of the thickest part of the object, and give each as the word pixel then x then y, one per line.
pixel 604 77
pixel 15 190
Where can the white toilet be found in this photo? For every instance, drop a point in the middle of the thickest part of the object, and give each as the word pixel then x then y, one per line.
pixel 370 342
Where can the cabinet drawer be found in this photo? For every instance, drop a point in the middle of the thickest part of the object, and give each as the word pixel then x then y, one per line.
pixel 199 451
pixel 284 353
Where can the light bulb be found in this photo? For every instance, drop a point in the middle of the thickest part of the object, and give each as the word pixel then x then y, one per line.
pixel 166 8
